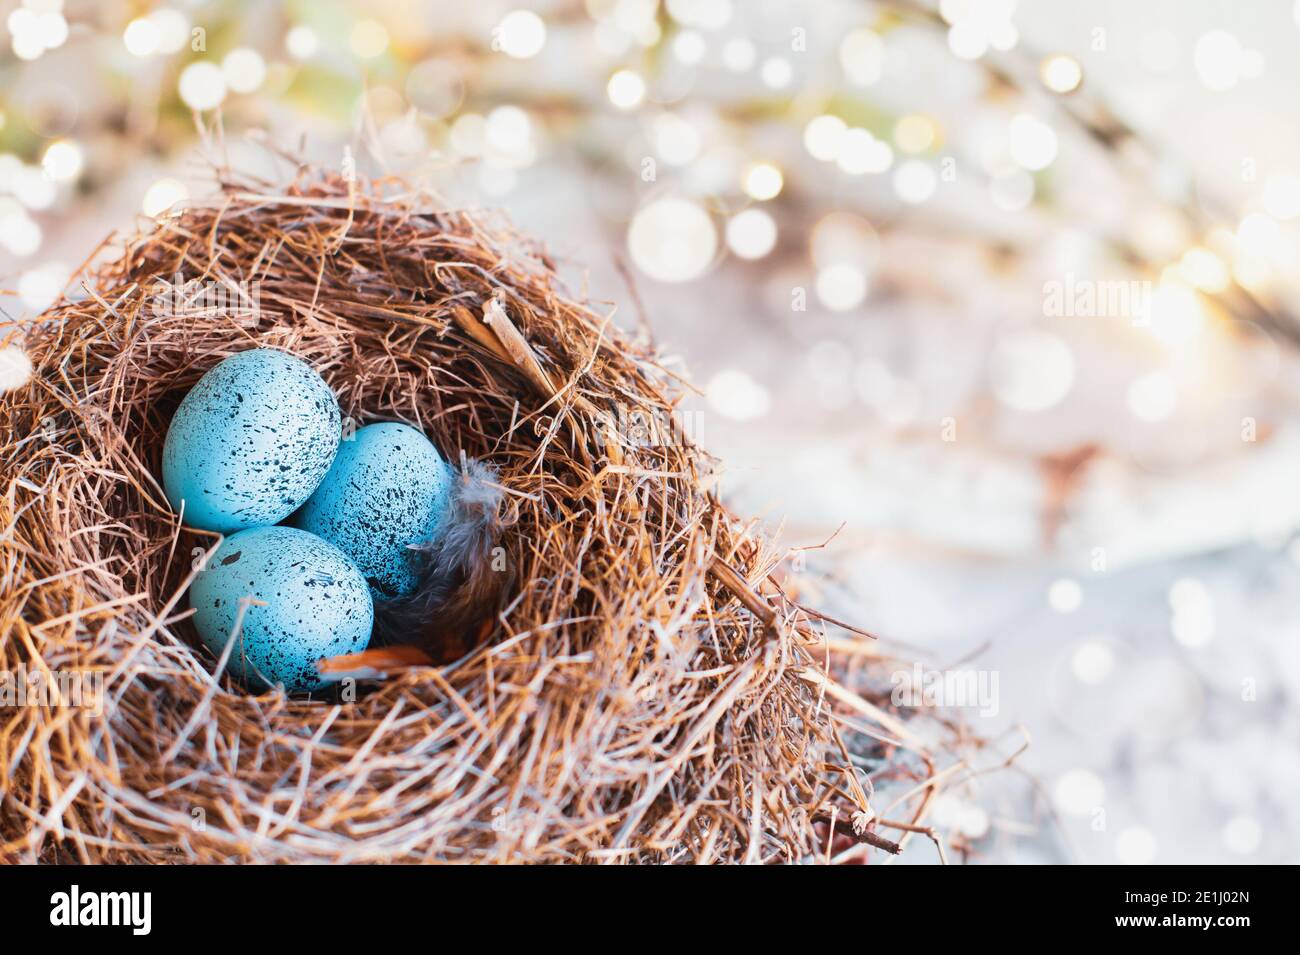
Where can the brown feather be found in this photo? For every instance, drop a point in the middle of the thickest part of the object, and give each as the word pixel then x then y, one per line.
pixel 460 584
pixel 374 663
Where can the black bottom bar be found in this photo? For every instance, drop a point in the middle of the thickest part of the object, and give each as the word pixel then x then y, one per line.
pixel 367 904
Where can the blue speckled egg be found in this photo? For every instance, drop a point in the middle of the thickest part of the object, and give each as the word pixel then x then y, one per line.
pixel 250 441
pixel 316 602
pixel 387 490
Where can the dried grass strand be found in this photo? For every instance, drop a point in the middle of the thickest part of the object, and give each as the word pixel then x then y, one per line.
pixel 646 694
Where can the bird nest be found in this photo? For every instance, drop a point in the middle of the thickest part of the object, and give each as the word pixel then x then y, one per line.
pixel 647 690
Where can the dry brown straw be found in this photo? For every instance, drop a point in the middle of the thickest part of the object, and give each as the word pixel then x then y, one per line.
pixel 649 693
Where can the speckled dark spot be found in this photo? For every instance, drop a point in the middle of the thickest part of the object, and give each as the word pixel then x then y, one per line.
pixel 250 441
pixel 387 493
pixel 314 603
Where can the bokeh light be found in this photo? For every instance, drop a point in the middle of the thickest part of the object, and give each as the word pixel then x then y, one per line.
pixel 763 181
pixel 202 86
pixel 244 70
pixel 1061 73
pixel 736 396
pixel 626 89
pixel 368 39
pixel 1032 142
pixel 521 34
pixel 63 160
pixel 751 234
pixel 1079 792
pixel 672 240
pixel 823 135
pixel 162 195
pixel 1092 662
pixel 1065 595
pixel 841 286
pixel 915 181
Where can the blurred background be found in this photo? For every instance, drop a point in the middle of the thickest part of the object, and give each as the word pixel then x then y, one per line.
pixel 997 301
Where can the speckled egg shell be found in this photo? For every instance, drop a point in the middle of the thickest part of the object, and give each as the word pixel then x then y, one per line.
pixel 387 490
pixel 316 602
pixel 250 441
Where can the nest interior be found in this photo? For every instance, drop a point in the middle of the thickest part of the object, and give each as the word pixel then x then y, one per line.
pixel 643 695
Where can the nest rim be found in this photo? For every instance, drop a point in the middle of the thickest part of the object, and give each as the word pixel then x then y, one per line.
pixel 650 693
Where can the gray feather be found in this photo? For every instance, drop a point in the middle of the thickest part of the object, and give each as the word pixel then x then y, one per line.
pixel 459 588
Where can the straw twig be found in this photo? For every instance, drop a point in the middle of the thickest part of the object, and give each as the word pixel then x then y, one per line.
pixel 646 695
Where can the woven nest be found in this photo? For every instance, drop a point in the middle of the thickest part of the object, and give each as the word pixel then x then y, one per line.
pixel 647 693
